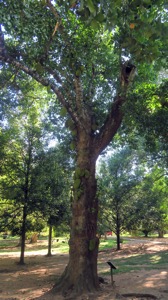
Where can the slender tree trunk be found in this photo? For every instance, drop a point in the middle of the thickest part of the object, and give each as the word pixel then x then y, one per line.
pixel 160 233
pixel 118 240
pixel 145 233
pixel 23 236
pixel 49 241
pixel 118 232
pixel 26 198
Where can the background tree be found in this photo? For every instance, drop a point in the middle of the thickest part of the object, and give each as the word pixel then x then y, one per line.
pixel 85 68
pixel 119 174
pixel 53 192
pixel 149 209
pixel 23 141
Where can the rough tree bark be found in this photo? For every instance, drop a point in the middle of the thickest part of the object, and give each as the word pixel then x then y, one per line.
pixel 81 273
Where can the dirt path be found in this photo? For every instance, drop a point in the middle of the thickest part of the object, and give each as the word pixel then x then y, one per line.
pixel 33 280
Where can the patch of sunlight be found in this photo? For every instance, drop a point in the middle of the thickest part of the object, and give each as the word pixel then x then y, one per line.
pixel 155 259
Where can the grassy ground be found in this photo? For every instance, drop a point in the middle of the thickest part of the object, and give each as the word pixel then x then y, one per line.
pixel 59 244
pixel 125 262
pixel 138 262
pixel 12 245
pixel 109 243
pixel 141 267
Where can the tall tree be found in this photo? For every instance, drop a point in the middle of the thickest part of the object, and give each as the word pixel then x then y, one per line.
pixel 86 69
pixel 118 176
pixel 149 203
pixel 54 174
pixel 23 132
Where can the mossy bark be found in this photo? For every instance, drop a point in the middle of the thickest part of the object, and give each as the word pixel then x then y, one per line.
pixel 80 274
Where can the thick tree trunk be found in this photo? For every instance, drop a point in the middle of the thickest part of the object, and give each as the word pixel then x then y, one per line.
pixel 80 274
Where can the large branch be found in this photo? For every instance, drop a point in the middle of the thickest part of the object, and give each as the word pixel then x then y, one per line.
pixel 57 27
pixel 110 127
pixel 81 114
pixel 4 57
pixel 82 111
pixel 115 116
pixel 19 65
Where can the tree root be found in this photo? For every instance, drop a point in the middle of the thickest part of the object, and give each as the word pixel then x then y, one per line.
pixel 70 290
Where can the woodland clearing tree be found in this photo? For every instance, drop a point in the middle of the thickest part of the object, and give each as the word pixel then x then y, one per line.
pixel 90 70
pixel 118 176
pixel 55 177
pixel 149 211
pixel 22 134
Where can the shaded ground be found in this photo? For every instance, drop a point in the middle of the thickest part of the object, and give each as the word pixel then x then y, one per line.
pixel 33 280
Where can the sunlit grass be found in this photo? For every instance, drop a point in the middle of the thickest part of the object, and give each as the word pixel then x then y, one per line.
pixel 155 259
pixel 107 244
pixel 110 243
pixel 138 262
pixel 59 244
pixel 8 243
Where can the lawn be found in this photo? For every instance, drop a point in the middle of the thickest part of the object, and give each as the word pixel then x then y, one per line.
pixel 59 244
pixel 125 264
pixel 138 262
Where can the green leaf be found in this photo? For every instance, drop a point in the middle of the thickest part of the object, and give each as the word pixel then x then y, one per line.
pixel 72 2
pixel 100 17
pixel 48 89
pixel 43 2
pixel 81 5
pixel 78 171
pixel 91 6
pixel 74 132
pixel 77 183
pixel 63 112
pixel 95 24
pixel 78 72
pixel 39 68
pixel 72 146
